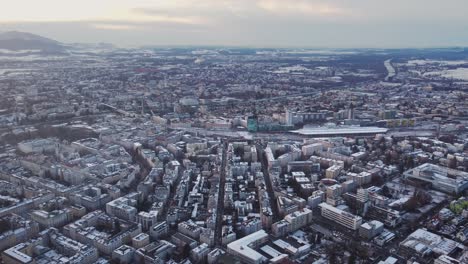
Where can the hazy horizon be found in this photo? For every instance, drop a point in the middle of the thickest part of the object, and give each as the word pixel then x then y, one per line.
pixel 245 23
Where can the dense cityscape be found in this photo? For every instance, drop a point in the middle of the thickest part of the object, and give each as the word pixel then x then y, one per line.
pixel 233 155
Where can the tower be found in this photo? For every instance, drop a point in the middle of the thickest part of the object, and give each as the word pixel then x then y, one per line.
pixel 289 117
pixel 351 112
pixel 252 123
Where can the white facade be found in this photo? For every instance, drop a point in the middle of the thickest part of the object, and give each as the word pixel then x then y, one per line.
pixel 341 217
pixel 122 208
pixel 243 248
pixel 147 219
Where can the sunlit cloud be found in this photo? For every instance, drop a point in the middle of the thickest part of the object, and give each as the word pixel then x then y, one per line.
pixel 90 10
pixel 292 7
pixel 152 15
pixel 106 26
pixel 243 22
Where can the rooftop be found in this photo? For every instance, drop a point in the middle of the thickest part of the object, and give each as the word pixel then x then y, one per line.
pixel 242 246
pixel 337 131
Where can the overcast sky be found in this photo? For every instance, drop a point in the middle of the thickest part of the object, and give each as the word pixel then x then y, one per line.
pixel 269 23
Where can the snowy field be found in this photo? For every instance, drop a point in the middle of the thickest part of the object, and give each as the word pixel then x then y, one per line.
pixel 458 74
pixel 439 62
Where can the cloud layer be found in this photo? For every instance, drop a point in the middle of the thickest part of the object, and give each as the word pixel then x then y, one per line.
pixel 333 23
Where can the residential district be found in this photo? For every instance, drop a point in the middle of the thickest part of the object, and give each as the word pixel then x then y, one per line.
pixel 234 156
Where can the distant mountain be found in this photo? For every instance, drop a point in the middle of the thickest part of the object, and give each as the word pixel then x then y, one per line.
pixel 18 41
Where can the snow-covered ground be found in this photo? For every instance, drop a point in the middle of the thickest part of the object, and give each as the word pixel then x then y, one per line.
pixel 30 57
pixel 296 68
pixel 14 71
pixel 440 62
pixel 324 52
pixel 459 74
pixel 6 51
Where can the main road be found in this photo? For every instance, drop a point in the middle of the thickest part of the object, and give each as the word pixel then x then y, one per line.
pixel 221 191
pixel 268 183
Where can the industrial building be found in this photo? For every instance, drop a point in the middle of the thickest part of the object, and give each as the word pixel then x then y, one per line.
pixel 441 178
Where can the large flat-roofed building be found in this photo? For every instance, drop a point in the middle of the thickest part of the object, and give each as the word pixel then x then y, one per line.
pixel 441 178
pixel 341 217
pixel 38 145
pixel 370 229
pixel 244 248
pixel 388 216
pixel 340 131
pixel 16 255
pixel 299 117
pixel 444 259
pixel 389 260
pixel 299 218
pixel 190 229
pixel 123 254
pixel 56 218
pixel 158 230
pixel 155 252
pixel 140 240
pixel 384 237
pixel 424 244
pixel 292 222
pixel 122 208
